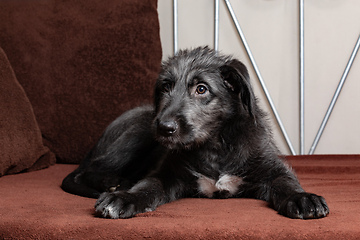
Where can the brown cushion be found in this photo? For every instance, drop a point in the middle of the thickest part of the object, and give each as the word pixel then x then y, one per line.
pixel 81 63
pixel 21 145
pixel 33 206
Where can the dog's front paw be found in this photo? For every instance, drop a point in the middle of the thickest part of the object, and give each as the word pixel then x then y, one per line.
pixel 117 204
pixel 304 206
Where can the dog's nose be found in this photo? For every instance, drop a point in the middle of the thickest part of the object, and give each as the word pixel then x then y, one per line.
pixel 167 128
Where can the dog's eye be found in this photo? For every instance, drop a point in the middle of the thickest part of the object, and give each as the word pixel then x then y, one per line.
pixel 167 86
pixel 201 89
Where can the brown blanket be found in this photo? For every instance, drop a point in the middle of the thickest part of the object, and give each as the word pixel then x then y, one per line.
pixel 32 205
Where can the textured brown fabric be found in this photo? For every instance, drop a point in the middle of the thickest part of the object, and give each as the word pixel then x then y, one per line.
pixel 21 146
pixel 81 63
pixel 32 205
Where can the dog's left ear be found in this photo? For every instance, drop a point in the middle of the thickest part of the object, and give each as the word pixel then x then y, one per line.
pixel 236 79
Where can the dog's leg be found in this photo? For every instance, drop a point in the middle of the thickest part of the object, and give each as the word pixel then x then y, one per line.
pixel 164 186
pixel 143 197
pixel 289 199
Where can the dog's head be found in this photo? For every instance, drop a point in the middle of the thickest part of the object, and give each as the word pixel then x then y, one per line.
pixel 197 93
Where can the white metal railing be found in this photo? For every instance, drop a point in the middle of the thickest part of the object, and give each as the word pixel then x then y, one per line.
pixel 257 71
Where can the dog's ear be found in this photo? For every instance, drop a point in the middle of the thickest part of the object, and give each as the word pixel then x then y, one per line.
pixel 236 79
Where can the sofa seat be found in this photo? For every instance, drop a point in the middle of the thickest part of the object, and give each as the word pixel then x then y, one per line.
pixel 33 206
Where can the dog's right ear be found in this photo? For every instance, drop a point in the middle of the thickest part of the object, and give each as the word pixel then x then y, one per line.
pixel 157 94
pixel 236 79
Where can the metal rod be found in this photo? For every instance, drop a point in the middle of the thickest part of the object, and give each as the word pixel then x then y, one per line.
pixel 175 28
pixel 302 82
pixel 335 97
pixel 216 26
pixel 247 48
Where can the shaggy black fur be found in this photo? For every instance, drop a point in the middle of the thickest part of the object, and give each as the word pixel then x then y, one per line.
pixel 205 137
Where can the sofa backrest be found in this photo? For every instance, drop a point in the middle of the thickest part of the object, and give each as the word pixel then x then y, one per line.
pixel 81 63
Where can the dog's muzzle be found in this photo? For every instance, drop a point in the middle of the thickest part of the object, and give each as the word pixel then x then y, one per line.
pixel 166 128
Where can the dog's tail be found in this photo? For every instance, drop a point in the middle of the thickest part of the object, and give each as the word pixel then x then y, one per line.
pixel 72 186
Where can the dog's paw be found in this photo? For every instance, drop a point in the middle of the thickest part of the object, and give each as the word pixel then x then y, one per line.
pixel 304 206
pixel 117 204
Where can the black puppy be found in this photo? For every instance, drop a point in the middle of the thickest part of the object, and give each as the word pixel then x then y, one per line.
pixel 205 137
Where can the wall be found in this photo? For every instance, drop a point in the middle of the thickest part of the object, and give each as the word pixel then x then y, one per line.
pixel 271 28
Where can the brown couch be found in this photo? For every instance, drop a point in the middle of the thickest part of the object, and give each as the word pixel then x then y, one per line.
pixel 67 69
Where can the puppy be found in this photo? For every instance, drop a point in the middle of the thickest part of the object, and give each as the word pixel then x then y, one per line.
pixel 205 136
